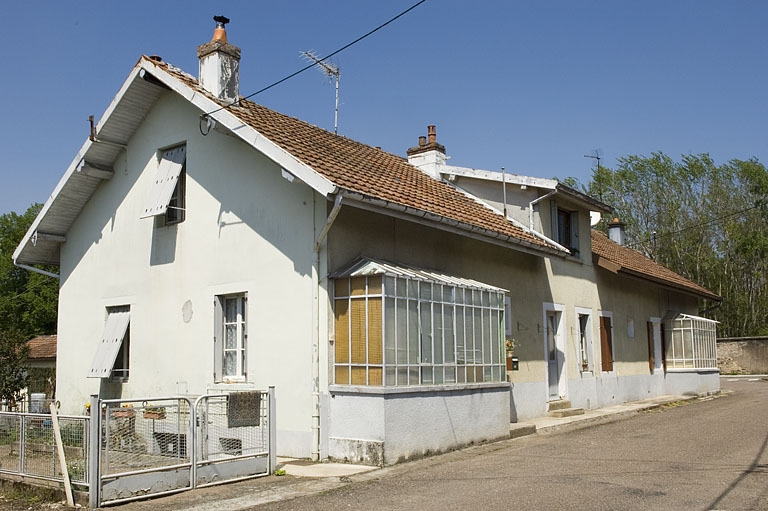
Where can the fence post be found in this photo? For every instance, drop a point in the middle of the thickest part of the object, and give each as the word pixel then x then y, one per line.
pixel 193 433
pixel 94 451
pixel 272 430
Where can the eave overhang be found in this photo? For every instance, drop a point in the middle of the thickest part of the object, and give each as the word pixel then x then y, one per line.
pixel 393 209
pixel 94 161
pixel 623 271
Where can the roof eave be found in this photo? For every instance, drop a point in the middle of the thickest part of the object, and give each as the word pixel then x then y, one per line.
pixel 225 117
pixel 446 224
pixel 161 79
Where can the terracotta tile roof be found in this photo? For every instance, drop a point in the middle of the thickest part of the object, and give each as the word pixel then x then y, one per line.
pixel 621 259
pixel 377 174
pixel 43 346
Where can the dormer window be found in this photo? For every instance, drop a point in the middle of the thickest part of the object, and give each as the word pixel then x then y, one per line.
pixel 565 228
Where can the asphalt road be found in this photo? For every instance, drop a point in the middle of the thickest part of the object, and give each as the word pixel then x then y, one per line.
pixel 706 455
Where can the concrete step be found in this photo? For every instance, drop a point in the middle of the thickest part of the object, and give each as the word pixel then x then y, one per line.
pixel 516 430
pixel 559 404
pixel 566 412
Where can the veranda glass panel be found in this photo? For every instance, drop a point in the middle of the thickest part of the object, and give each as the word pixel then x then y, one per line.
pixel 401 318
pixel 450 342
pixel 426 333
pixel 390 332
pixel 342 331
pixel 437 308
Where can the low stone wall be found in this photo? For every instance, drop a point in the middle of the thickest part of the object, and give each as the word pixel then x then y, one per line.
pixel 742 355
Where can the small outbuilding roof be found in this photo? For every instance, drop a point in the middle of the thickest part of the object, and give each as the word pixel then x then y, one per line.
pixel 42 347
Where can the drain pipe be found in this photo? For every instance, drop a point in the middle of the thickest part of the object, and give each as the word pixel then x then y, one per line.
pixel 37 270
pixel 316 327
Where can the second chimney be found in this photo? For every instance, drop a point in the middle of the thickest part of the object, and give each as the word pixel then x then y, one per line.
pixel 220 64
pixel 616 231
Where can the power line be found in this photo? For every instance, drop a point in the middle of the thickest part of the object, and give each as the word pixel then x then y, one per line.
pixel 695 226
pixel 205 115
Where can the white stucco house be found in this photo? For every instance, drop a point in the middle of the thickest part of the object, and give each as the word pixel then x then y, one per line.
pixel 226 246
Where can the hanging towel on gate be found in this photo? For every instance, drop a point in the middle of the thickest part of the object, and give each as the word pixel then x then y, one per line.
pixel 243 409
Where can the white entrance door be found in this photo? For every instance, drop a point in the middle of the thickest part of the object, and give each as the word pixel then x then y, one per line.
pixel 554 355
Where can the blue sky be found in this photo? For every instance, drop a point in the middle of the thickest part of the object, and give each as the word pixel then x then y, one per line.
pixel 531 86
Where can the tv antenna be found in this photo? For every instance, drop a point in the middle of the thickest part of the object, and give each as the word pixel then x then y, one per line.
pixel 333 72
pixel 596 155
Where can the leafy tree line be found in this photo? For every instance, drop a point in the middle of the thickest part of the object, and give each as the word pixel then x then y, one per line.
pixel 28 304
pixel 707 222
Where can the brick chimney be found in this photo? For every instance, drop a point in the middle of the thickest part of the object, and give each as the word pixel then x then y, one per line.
pixel 616 231
pixel 428 156
pixel 220 64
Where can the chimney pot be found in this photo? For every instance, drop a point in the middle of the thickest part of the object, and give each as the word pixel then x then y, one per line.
pixel 220 64
pixel 432 133
pixel 422 141
pixel 220 32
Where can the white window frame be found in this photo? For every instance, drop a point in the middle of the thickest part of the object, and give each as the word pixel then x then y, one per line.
pixel 240 349
pixel 585 340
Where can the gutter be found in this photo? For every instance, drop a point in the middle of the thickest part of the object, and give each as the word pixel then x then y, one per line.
pixel 316 326
pixel 455 226
pixel 37 270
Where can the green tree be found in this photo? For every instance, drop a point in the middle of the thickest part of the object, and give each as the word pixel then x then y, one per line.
pixel 28 303
pixel 705 221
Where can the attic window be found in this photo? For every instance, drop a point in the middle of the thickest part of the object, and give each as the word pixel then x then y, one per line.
pixel 111 359
pixel 565 228
pixel 165 192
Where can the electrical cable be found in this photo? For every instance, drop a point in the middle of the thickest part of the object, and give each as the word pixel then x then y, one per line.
pixel 205 115
pixel 695 226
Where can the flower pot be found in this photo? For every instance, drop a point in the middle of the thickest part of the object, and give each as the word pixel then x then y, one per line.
pixel 154 414
pixel 123 414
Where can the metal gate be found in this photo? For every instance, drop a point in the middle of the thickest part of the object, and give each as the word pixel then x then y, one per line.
pixel 157 446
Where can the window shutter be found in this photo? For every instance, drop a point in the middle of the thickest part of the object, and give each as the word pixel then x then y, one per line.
pixel 111 340
pixel 218 340
pixel 553 216
pixel 651 357
pixel 507 317
pixel 574 241
pixel 165 181
pixel 606 347
pixel 245 336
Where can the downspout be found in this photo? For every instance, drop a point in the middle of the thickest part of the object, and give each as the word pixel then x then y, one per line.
pixel 316 326
pixel 37 270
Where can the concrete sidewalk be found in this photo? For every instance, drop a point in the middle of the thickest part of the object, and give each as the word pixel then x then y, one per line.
pixel 303 477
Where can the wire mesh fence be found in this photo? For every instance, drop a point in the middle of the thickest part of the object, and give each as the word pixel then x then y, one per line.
pixel 230 429
pixel 141 435
pixel 28 447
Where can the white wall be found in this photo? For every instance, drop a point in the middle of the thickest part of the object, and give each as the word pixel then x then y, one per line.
pixel 246 230
pixel 386 426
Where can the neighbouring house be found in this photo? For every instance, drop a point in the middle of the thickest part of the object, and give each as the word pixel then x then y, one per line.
pixel 207 244
pixel 41 372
